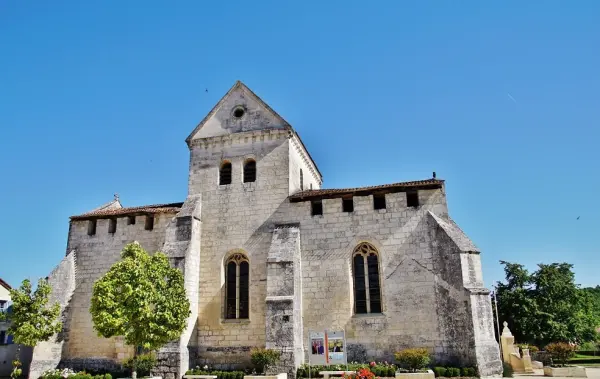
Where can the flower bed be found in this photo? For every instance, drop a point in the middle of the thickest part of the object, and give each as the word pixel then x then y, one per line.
pixel 219 374
pixel 70 374
pixel 382 369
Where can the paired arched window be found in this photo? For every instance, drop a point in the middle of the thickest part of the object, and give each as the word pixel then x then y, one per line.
pixel 249 171
pixel 367 289
pixel 237 275
pixel 225 173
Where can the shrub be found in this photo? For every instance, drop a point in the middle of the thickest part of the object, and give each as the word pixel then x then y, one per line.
pixel 439 371
pixel 391 371
pixel 262 359
pixel 561 352
pixel 107 376
pixel 469 371
pixel 588 346
pixel 452 372
pixel 413 359
pixel 507 370
pixel 142 364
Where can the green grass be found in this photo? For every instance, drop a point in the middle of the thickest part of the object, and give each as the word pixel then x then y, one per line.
pixel 586 356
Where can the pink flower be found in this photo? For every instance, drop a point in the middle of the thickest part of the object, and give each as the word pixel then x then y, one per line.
pixel 372 364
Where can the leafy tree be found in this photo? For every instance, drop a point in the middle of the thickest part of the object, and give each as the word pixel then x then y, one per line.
pixel 141 298
pixel 546 305
pixel 594 301
pixel 32 319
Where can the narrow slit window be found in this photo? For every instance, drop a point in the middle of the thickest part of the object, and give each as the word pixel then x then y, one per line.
pixel 91 227
pixel 112 225
pixel 130 220
pixel 237 287
pixel 149 222
pixel 348 205
pixel 225 173
pixel 367 288
pixel 301 180
pixel 379 202
pixel 412 199
pixel 250 171
pixel 316 208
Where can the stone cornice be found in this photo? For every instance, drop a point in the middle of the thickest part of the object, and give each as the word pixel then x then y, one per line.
pixel 239 138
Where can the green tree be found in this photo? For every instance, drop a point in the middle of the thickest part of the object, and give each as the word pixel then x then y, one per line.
pixel 593 294
pixel 32 319
pixel 141 298
pixel 546 305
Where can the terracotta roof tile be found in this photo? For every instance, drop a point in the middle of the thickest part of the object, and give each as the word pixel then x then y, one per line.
pixel 144 209
pixel 363 191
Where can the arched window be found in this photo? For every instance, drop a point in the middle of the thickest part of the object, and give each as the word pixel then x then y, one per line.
pixel 367 290
pixel 301 180
pixel 225 173
pixel 250 171
pixel 237 273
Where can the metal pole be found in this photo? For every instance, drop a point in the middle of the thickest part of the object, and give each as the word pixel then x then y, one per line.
pixel 497 321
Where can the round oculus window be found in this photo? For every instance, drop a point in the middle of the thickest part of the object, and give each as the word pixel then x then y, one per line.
pixel 238 112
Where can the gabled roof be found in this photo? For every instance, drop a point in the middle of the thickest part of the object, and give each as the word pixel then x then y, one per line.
pixel 4 284
pixel 364 191
pixel 239 84
pixel 130 211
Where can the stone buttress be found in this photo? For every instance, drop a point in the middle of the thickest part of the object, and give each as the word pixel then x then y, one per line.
pixel 465 311
pixel 284 299
pixel 182 246
pixel 48 354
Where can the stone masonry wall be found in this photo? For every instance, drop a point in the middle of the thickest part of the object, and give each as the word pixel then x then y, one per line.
pixel 409 317
pixel 95 254
pixel 236 217
pixel 299 160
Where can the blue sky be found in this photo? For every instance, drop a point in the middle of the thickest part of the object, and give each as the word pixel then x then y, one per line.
pixel 500 98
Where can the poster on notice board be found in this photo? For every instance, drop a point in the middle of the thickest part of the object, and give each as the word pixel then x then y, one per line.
pixel 327 347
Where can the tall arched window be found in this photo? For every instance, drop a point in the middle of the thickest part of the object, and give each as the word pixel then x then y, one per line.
pixel 250 171
pixel 367 290
pixel 237 273
pixel 225 173
pixel 301 180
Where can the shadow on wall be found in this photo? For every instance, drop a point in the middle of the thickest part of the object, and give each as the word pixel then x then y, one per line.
pixel 7 355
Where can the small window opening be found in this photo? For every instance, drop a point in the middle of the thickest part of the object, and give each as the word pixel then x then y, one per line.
pixel 310 185
pixel 91 227
pixel 348 205
pixel 412 199
pixel 239 112
pixel 286 318
pixel 379 201
pixel 130 220
pixel 225 173
pixel 149 222
pixel 112 225
pixel 316 208
pixel 301 180
pixel 250 171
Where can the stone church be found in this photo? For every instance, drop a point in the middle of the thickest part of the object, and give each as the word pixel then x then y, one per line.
pixel 269 255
